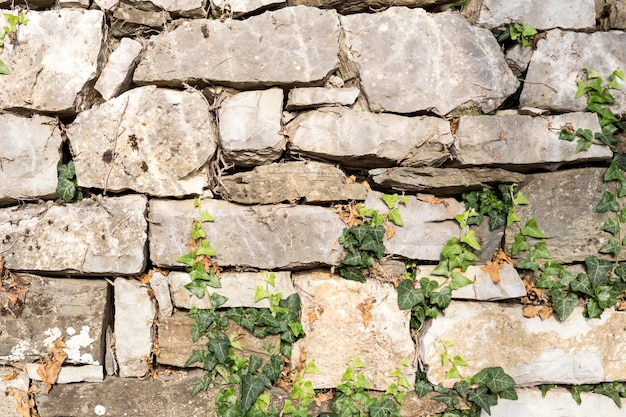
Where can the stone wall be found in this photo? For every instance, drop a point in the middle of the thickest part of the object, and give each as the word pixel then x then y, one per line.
pixel 276 112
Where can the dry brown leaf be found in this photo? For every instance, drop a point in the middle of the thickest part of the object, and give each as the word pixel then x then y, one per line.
pixel 350 180
pixel 545 312
pixel 367 185
pixel 145 277
pixel 10 377
pixel 312 317
pixel 494 271
pixel 621 306
pixel 365 308
pixel 501 257
pixel 323 397
pixel 454 123
pixel 530 312
pixel 390 231
pixel 432 200
pixel 24 404
pixel 51 367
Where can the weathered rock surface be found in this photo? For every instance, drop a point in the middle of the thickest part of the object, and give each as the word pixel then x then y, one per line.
pixel 518 59
pixel 128 20
pixel 181 8
pixel 151 140
pixel 428 225
pixel 564 204
pixel 445 54
pixel 291 45
pixel 134 314
pixel 110 237
pixel 300 98
pixel 161 288
pixel 31 151
pixel 518 139
pixel 360 138
pixel 36 81
pixel 238 287
pixel 552 74
pixel 441 181
pixel 74 310
pixel 355 6
pixel 532 351
pixel 266 237
pixel 334 313
pixel 249 123
pixel 70 374
pixel 241 7
pixel 611 14
pixel 117 74
pixel 291 181
pixel 8 381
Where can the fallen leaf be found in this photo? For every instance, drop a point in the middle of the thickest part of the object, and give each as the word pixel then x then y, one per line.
pixel 365 308
pixel 530 312
pixel 51 366
pixel 501 257
pixel 323 397
pixel 621 306
pixel 10 377
pixel 145 277
pixel 23 403
pixel 454 123
pixel 312 317
pixel 493 268
pixel 545 312
pixel 390 231
pixel 350 180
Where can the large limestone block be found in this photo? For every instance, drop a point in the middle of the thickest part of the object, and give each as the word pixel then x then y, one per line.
pixel 517 139
pixel 8 382
pixel 249 123
pixel 356 6
pixel 74 310
pixel 31 149
pixel 560 60
pixel 360 138
pixel 95 236
pixel 312 181
pixel 117 73
pixel 291 45
pixel 54 61
pixel 532 351
pixel 406 58
pixel 334 313
pixel 564 204
pixel 70 374
pixel 151 140
pixel 266 237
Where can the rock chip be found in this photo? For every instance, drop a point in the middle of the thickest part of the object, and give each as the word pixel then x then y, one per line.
pixel 518 59
pixel 161 288
pixel 129 20
pixel 117 74
pixel 359 138
pixel 444 53
pixel 151 140
pixel 300 98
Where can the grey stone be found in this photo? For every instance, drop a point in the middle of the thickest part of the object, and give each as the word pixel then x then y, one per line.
pixel 532 351
pixel 74 310
pixel 70 39
pixel 181 8
pixel 106 5
pixel 564 205
pixel 70 374
pixel 151 140
pixel 74 4
pixel 291 45
pixel 611 14
pixel 552 74
pixel 444 54
pixel 428 225
pixel 300 98
pixel 161 288
pixel 518 59
pixel 235 8
pixel 93 236
pixel 134 314
pixel 508 140
pixel 249 126
pixel 359 138
pixel 117 74
pixel 356 6
pixel 291 181
pixel 441 181
pixel 238 287
pixel 128 20
pixel 267 237
pixel 10 381
pixel 31 151
pixel 337 330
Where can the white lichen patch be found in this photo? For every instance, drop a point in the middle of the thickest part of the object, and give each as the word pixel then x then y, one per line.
pixel 51 334
pixel 18 352
pixel 76 343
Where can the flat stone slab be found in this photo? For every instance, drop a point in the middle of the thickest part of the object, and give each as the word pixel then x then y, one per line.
pixel 473 73
pixel 441 181
pixel 291 45
pixel 300 98
pixel 241 7
pixel 70 374
pixel 312 181
pixel 265 237
pixel 336 330
pixel 566 198
pixel 161 288
pixel 71 309
pixel 150 140
pixel 548 88
pixel 356 6
pixel 69 39
pixel 31 151
pixel 109 238
pixel 532 351
pixel 359 138
pixel 528 140
pixel 8 381
pixel 116 75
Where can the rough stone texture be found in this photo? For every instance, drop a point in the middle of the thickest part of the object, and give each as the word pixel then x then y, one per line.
pixel 445 54
pixel 300 98
pixel 336 331
pixel 238 287
pixel 31 150
pixel 117 74
pixel 611 14
pixel 71 309
pixel 564 204
pixel 181 8
pixel 518 139
pixel 559 62
pixel 151 140
pixel 249 123
pixel 540 14
pixel 134 314
pixel 355 6
pixel 441 181
pixel 241 7
pixel 360 138
pixel 128 20
pixel 291 45
pixel 518 59
pixel 47 72
pixel 73 4
pixel 161 288
pixel 532 351
pixel 8 403
pixel 70 374
pixel 110 237
pixel 428 224
pixel 291 181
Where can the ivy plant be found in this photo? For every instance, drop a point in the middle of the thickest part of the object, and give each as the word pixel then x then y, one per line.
pixel 523 34
pixel 10 31
pixel 67 185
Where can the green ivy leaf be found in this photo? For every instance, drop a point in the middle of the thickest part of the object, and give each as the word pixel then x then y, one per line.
pixel 470 239
pixel 251 388
pixel 577 389
pixel 459 281
pixel 597 270
pixel 567 135
pixel 531 229
pixel 428 286
pixel 611 225
pixel 205 216
pixel 582 145
pixel 188 259
pixel 217 300
pixel 528 263
pixel 582 285
pixel 545 388
pixel 610 391
pixel 442 268
pixel 508 394
pixel 607 203
pixel 408 297
pixel 219 347
pixel 519 245
pixel 612 247
pixel 353 258
pixel 447 397
pixel 385 408
pixel 620 271
pixel 197 288
pixel 4 70
pixel 205 249
pixel 483 399
pixel 495 379
pixel 423 387
pixel 390 200
pixel 442 298
pixel 606 296
pixel 394 217
pixel 197 232
pixel 497 219
pixel 613 173
pixel 592 309
pixel 260 294
pixel 541 251
pixel 196 356
pixel 65 189
pixel 451 248
pixel 564 303
pixel 352 273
